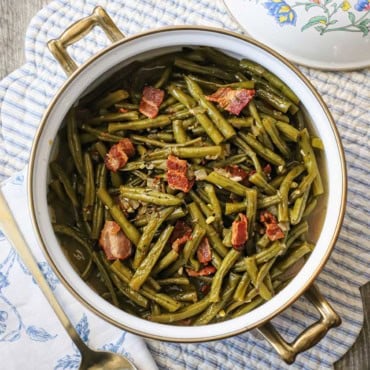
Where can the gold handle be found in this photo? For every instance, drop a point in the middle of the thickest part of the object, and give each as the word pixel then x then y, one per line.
pixel 77 31
pixel 310 336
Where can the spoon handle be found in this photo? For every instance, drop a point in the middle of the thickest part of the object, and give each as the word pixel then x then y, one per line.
pixel 11 230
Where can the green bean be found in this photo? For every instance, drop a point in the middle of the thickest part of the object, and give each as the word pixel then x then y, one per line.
pixel 264 152
pixel 251 266
pixel 210 128
pixel 111 99
pixel 258 180
pixel 263 271
pixel 236 207
pixel 128 229
pixel 249 152
pixel 105 277
pixel 174 281
pixel 204 208
pixel 175 108
pixel 211 312
pixel 164 136
pixel 159 121
pixel 187 152
pixel 57 187
pixel 257 127
pixel 242 287
pixel 102 135
pixel 185 296
pixel 189 311
pixel 263 242
pixel 89 197
pixel 58 171
pixel 271 78
pixel 148 234
pixel 309 159
pixel 129 106
pixel 226 183
pixel 114 117
pixel 296 212
pixel 74 143
pixel 266 110
pixel 288 131
pixel 220 122
pixel 144 269
pixel 183 98
pixel 296 232
pixel 149 195
pixel 248 307
pixel 164 77
pixel 214 202
pixel 192 244
pixel 139 165
pixel 226 265
pixel 283 210
pixel 143 220
pixel 310 207
pixel 234 159
pixel 270 126
pixel 162 264
pixel 317 143
pixel 291 258
pixel 220 58
pixel 129 293
pixel 203 70
pixel 169 101
pixel 179 132
pixel 269 201
pixel 251 195
pixel 215 241
pixel 241 122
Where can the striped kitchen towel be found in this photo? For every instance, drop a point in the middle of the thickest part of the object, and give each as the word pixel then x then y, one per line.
pixel 25 94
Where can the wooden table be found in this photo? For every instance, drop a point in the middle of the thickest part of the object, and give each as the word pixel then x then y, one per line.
pixel 14 19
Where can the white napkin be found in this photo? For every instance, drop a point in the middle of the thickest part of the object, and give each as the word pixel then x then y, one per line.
pixel 26 319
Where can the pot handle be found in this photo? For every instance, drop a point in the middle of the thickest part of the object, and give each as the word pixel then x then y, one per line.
pixel 310 336
pixel 77 31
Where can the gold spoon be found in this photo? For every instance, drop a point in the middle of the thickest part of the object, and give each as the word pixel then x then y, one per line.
pixel 90 359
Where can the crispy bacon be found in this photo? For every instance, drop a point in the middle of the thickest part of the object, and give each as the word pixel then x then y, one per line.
pixel 114 242
pixel 150 101
pixel 205 271
pixel 236 172
pixel 122 110
pixel 273 230
pixel 204 252
pixel 180 235
pixel 177 174
pixel 239 231
pixel 232 100
pixel 118 155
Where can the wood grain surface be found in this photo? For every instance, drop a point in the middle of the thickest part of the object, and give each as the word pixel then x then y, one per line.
pixel 15 16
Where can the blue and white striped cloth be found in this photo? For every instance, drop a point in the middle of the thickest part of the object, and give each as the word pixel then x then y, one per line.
pixel 25 94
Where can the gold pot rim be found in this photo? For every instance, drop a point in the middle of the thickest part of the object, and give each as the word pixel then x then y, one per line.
pixel 54 101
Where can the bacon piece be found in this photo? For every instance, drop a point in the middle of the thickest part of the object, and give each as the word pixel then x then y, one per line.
pixel 267 169
pixel 273 230
pixel 205 271
pixel 232 100
pixel 180 235
pixel 177 174
pixel 236 172
pixel 150 101
pixel 122 110
pixel 118 155
pixel 204 252
pixel 114 242
pixel 239 231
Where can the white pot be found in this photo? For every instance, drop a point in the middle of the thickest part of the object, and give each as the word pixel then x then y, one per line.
pixel 153 43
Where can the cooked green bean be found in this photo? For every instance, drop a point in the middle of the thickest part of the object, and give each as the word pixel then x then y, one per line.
pixel 74 142
pixel 144 269
pixel 187 152
pixel 89 197
pixel 242 287
pixel 179 132
pixel 270 126
pixel 226 265
pixel 159 121
pixel 251 266
pixel 112 98
pixel 226 183
pixel 101 135
pixel 114 117
pixel 210 128
pixel 220 122
pixel 148 195
pixel 130 230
